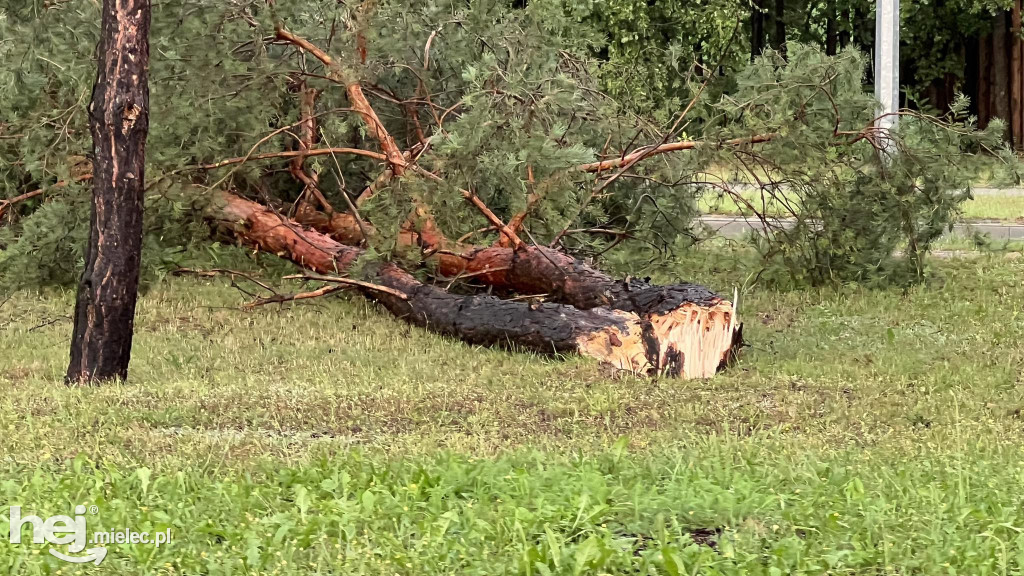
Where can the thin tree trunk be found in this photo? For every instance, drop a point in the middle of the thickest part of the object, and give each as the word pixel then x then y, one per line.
pixel 984 79
pixel 863 29
pixel 757 32
pixel 779 34
pixel 1000 68
pixel 1017 77
pixel 844 30
pixel 831 28
pixel 119 121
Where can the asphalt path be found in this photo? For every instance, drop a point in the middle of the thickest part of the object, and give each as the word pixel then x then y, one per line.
pixel 738 226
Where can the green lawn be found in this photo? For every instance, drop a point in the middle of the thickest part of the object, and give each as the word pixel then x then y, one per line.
pixel 980 208
pixel 864 432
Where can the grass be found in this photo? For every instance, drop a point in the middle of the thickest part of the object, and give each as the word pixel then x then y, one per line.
pixel 1010 208
pixel 864 432
pixel 995 207
pixel 984 171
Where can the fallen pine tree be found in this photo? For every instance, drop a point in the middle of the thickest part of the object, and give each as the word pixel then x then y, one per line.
pixel 457 129
pixel 679 330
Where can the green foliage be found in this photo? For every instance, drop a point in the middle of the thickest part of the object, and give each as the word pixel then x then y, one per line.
pixel 653 51
pixel 860 204
pixel 47 247
pixel 203 107
pixel 500 93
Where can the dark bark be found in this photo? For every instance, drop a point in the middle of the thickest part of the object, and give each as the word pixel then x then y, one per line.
pixel 119 122
pixel 844 30
pixel 983 79
pixel 1017 76
pixel 941 92
pixel 778 39
pixel 685 330
pixel 529 270
pixel 562 278
pixel 1001 62
pixel 831 28
pixel 863 29
pixel 757 32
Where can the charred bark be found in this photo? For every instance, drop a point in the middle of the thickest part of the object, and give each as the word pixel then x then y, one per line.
pixel 688 321
pixel 119 122
pixel 526 270
pixel 685 330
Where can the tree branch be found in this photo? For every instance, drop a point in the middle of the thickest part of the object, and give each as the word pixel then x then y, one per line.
pixel 355 96
pixel 288 154
pixel 648 151
pixel 5 204
pixel 306 140
pixel 350 282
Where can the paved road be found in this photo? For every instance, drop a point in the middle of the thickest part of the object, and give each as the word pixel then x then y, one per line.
pixel 737 226
pixel 998 191
pixel 976 191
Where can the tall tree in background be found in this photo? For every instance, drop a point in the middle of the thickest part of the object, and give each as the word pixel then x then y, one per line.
pixel 757 32
pixel 831 28
pixel 778 32
pixel 1017 75
pixel 119 122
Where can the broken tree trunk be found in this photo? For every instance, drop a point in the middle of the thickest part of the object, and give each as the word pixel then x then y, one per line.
pixel 689 325
pixel 700 325
pixel 681 331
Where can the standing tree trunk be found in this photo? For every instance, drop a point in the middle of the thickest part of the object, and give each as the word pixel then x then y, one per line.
pixel 1000 65
pixel 983 80
pixel 1017 77
pixel 863 30
pixel 756 29
pixel 844 29
pixel 831 28
pixel 119 121
pixel 779 32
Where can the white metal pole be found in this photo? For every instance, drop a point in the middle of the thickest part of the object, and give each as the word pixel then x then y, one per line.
pixel 887 61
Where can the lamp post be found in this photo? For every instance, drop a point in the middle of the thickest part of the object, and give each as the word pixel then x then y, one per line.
pixel 887 61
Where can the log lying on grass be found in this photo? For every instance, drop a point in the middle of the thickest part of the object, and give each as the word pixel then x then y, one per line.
pixel 687 321
pixel 689 325
pixel 685 332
